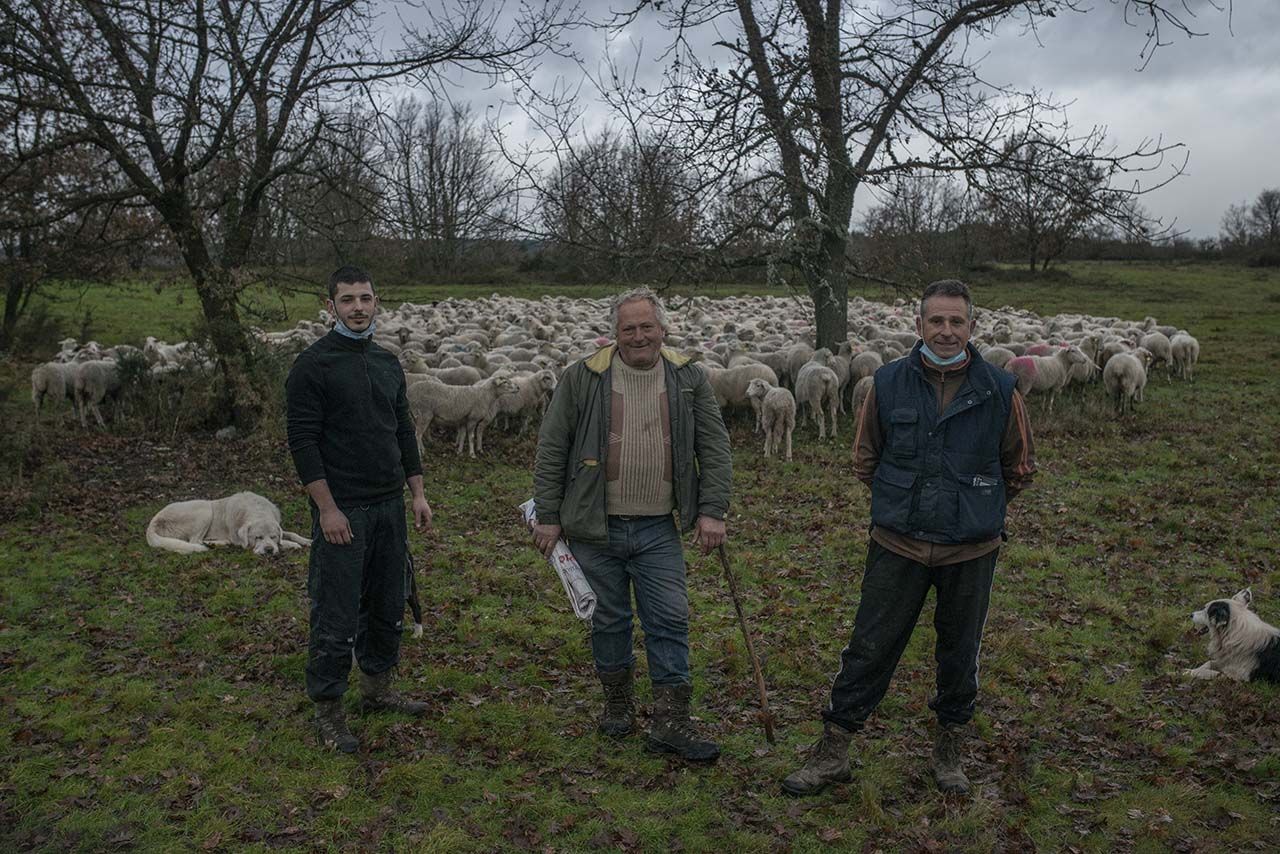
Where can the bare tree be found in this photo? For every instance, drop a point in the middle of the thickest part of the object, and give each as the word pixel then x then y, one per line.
pixel 1264 216
pixel 202 107
pixel 445 191
pixel 619 207
pixel 828 98
pixel 925 226
pixel 58 220
pixel 1048 193
pixel 1235 230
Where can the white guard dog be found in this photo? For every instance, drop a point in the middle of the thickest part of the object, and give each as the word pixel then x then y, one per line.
pixel 1241 645
pixel 245 519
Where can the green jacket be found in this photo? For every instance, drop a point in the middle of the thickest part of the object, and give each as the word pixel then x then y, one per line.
pixel 569 471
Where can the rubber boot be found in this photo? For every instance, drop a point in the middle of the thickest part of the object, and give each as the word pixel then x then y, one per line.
pixel 672 731
pixel 618 718
pixel 376 695
pixel 331 727
pixel 947 752
pixel 828 763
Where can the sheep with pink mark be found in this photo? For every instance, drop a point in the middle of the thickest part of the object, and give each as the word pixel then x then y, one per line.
pixel 1041 374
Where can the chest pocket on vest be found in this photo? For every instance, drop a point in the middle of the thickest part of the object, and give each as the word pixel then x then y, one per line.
pixel 903 424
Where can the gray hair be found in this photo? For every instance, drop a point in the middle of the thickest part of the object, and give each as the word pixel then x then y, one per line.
pixel 642 293
pixel 948 288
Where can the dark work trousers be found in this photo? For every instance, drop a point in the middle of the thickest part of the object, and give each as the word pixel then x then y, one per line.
pixel 893 592
pixel 357 597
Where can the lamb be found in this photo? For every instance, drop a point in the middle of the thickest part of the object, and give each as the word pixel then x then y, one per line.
pixel 96 381
pixel 1125 376
pixel 53 381
pixel 730 385
pixel 1046 373
pixel 1185 351
pixel 777 408
pixel 535 391
pixel 463 407
pixel 1161 349
pixel 817 385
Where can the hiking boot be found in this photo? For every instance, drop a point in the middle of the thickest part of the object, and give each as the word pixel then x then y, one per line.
pixel 376 695
pixel 331 727
pixel 619 715
pixel 828 762
pixel 672 731
pixel 947 752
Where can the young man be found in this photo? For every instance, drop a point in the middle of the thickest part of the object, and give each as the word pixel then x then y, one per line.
pixel 944 442
pixel 353 444
pixel 632 433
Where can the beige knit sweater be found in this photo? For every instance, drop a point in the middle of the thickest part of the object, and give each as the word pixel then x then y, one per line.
pixel 638 468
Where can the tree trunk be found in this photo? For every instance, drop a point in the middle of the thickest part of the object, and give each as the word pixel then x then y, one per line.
pixel 829 290
pixel 12 304
pixel 235 358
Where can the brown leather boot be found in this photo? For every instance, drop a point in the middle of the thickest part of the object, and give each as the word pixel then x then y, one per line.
pixel 948 750
pixel 672 731
pixel 618 718
pixel 377 695
pixel 331 727
pixel 828 763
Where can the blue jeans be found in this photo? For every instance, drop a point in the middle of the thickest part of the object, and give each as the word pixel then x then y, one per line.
pixel 644 553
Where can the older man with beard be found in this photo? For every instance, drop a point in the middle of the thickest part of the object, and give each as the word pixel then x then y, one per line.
pixel 632 434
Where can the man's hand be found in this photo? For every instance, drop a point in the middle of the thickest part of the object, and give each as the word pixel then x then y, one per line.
pixel 421 514
pixel 545 538
pixel 708 533
pixel 336 528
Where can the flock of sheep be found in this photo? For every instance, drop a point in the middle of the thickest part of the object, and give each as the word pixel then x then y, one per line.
pixel 472 362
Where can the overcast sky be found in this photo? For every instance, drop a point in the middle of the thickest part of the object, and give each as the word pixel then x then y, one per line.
pixel 1218 94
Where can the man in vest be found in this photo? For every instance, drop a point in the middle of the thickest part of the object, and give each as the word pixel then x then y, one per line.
pixel 632 433
pixel 944 441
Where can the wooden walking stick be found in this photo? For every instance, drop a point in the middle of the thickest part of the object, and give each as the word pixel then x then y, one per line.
pixel 765 715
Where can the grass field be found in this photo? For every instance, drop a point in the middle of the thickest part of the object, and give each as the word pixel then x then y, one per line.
pixel 153 701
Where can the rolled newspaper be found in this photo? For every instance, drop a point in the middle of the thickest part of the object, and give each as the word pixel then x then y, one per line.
pixel 581 597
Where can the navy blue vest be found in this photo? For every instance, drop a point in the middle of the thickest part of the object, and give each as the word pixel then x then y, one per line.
pixel 939 477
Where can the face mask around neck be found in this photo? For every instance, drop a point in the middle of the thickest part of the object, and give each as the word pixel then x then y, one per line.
pixel 342 329
pixel 938 360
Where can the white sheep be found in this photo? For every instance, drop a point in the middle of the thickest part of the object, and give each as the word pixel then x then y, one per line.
pixel 1046 373
pixel 53 381
pixel 1125 376
pixel 96 381
pixel 463 407
pixel 1161 350
pixel 531 399
pixel 998 356
pixel 865 364
pixel 777 409
pixel 730 385
pixel 1185 351
pixel 818 389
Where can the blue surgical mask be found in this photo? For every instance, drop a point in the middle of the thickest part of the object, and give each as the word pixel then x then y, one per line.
pixel 938 360
pixel 341 329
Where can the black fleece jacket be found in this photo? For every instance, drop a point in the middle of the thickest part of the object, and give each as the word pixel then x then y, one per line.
pixel 349 420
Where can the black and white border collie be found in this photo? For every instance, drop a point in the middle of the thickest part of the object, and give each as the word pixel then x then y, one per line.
pixel 1241 645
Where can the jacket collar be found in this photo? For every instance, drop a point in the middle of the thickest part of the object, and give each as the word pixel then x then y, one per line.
pixel 599 361
pixel 342 342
